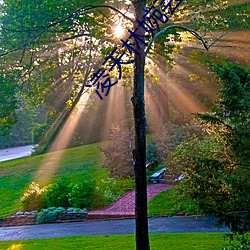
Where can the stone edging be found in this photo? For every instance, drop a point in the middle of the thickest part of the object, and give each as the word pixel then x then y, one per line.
pixel 30 219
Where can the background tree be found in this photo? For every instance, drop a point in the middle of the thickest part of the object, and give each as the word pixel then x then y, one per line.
pixel 216 168
pixel 165 142
pixel 118 156
pixel 8 105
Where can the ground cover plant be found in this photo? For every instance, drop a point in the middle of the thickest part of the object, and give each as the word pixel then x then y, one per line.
pixel 172 241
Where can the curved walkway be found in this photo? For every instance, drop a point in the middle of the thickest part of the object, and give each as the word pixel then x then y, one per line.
pixel 124 207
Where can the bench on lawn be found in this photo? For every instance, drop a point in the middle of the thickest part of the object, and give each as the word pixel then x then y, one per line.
pixel 182 176
pixel 155 177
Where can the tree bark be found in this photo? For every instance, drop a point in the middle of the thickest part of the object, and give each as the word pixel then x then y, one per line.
pixel 139 151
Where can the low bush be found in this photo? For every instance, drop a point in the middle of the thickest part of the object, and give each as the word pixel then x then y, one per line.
pixel 238 241
pixel 78 210
pixel 57 193
pixel 33 198
pixel 109 189
pixel 123 185
pixel 87 193
pixel 103 193
pixel 81 194
pixel 48 215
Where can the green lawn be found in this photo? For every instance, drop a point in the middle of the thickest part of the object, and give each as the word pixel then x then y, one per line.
pixel 172 241
pixel 16 175
pixel 169 202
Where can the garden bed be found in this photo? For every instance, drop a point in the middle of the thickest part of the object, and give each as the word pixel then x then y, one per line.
pixel 30 219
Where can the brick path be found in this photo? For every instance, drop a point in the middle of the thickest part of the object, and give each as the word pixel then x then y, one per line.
pixel 124 207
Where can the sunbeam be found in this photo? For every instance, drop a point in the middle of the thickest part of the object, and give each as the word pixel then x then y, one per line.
pixel 61 142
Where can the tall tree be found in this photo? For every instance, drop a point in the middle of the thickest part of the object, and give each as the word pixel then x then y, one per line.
pixel 138 100
pixel 139 151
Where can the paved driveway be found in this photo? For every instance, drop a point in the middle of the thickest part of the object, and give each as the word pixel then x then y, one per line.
pixel 14 153
pixel 156 225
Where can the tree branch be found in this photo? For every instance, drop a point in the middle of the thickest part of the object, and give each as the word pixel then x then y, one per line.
pixel 193 32
pixel 112 8
pixel 42 29
pixel 87 8
pixel 218 38
pixel 76 12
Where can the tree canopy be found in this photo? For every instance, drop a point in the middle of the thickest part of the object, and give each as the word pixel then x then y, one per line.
pixel 216 168
pixel 50 43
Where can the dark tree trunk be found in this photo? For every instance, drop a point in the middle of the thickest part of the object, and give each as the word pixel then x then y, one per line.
pixel 139 152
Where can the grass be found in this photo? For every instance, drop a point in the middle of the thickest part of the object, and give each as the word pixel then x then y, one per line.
pixel 16 175
pixel 170 241
pixel 169 203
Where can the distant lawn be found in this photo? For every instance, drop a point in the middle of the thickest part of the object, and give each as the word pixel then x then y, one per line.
pixel 172 241
pixel 16 175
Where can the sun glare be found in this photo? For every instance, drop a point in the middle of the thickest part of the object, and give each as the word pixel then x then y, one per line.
pixel 119 31
pixel 61 142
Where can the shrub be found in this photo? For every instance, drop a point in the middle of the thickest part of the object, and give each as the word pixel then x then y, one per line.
pixel 103 194
pixel 243 242
pixel 33 197
pixel 166 141
pixel 57 193
pixel 152 156
pixel 118 153
pixel 73 209
pixel 81 194
pixel 48 215
pixel 123 185
pixel 209 181
pixel 109 189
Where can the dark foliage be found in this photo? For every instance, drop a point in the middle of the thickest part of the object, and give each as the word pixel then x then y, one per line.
pixel 118 153
pixel 165 142
pixel 217 168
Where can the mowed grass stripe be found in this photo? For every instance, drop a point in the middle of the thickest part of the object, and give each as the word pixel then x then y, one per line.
pixel 170 241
